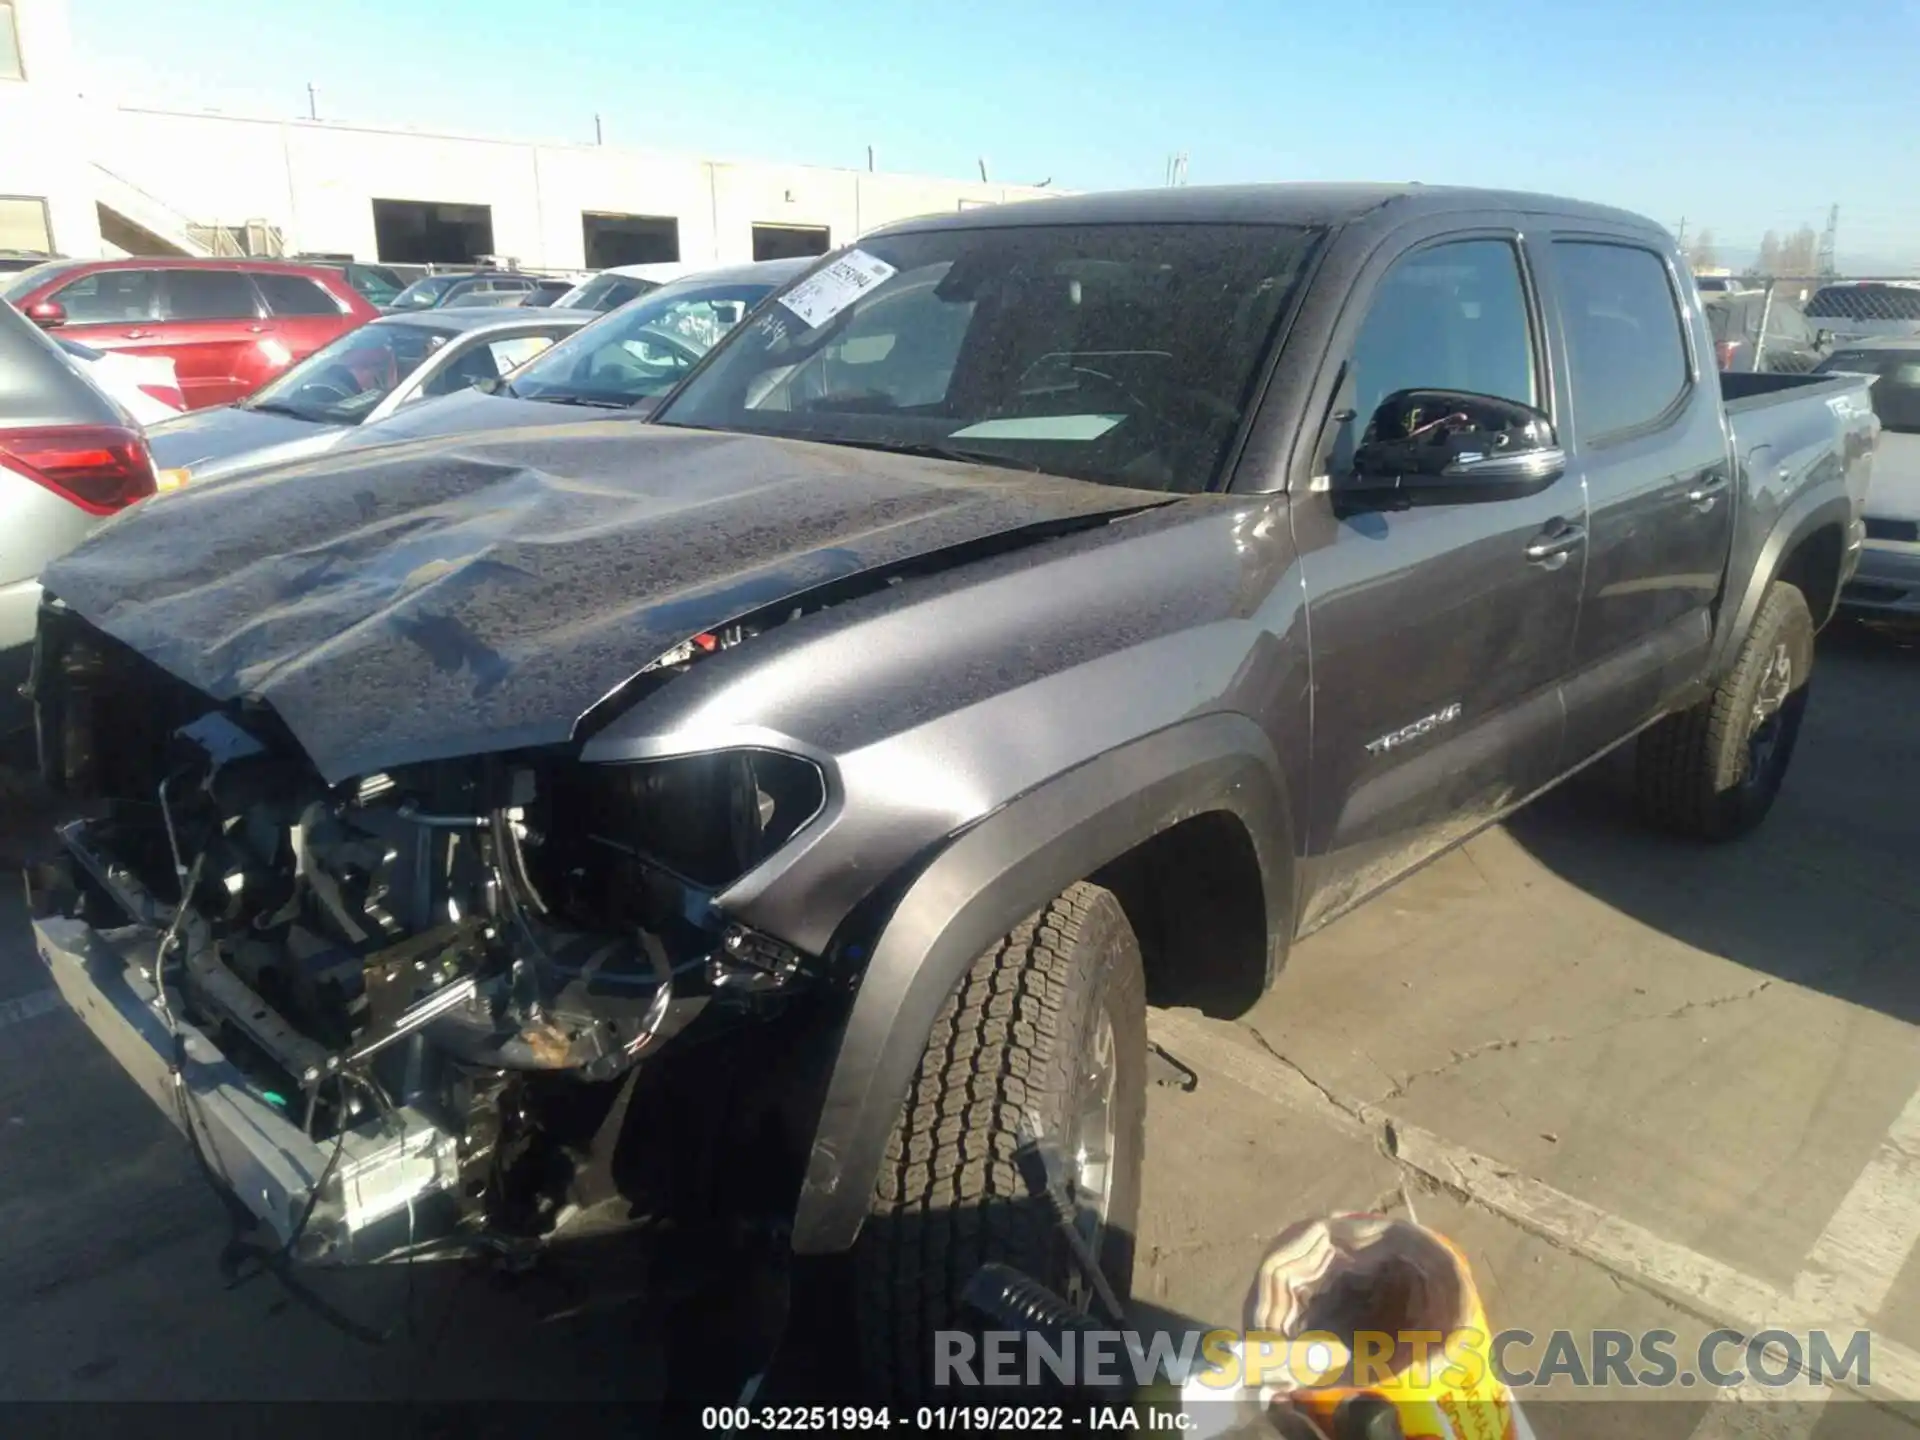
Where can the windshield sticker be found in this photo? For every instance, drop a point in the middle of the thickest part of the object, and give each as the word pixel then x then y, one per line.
pixel 824 294
pixel 1041 427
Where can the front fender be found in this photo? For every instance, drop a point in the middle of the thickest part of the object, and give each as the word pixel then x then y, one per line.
pixel 1814 511
pixel 984 883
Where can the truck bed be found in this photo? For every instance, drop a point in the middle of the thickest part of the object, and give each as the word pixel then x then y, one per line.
pixel 1746 390
pixel 1788 432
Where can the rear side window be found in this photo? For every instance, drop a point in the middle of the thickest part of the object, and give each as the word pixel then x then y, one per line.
pixel 107 296
pixel 209 295
pixel 295 295
pixel 1624 337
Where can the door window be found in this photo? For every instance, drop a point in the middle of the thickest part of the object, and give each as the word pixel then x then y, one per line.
pixel 295 295
pixel 209 295
pixel 1625 340
pixel 1450 317
pixel 108 297
pixel 488 360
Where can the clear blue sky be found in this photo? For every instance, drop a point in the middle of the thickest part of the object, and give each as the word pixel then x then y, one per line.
pixel 1739 116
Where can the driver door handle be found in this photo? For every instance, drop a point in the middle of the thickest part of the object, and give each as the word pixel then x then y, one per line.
pixel 1551 548
pixel 1703 495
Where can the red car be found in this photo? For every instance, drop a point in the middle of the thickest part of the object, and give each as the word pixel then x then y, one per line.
pixel 229 326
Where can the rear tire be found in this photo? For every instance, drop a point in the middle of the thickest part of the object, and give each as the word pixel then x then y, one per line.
pixel 1712 772
pixel 1051 1017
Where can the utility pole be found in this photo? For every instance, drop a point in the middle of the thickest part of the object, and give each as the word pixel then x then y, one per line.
pixel 869 159
pixel 1828 243
pixel 599 135
pixel 983 170
pixel 313 102
pixel 1680 234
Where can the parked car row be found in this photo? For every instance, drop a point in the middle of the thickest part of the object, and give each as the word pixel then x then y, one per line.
pixel 412 374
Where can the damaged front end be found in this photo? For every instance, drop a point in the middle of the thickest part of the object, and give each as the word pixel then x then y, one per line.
pixel 393 1014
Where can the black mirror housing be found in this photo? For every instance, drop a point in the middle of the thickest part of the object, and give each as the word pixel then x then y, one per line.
pixel 1453 446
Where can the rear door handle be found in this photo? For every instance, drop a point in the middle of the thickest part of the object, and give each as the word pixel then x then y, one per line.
pixel 1550 550
pixel 1702 496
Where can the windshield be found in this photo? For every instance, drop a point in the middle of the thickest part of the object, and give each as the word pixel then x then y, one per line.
pixel 1896 394
pixel 380 286
pixel 641 352
pixel 341 383
pixel 1123 354
pixel 29 280
pixel 606 292
pixel 425 294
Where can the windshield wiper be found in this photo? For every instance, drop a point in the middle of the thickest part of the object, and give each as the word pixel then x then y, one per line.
pixel 565 397
pixel 931 452
pixel 281 407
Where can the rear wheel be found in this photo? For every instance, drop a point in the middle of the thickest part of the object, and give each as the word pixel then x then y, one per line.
pixel 1050 1023
pixel 1713 771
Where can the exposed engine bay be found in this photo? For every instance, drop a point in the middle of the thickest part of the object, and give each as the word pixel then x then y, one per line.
pixel 431 980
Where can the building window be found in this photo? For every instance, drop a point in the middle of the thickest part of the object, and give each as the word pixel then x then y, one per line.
pixel 611 240
pixel 427 232
pixel 790 242
pixel 23 225
pixel 9 44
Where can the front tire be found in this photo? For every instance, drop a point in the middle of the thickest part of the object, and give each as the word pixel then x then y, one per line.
pixel 1050 1022
pixel 1713 772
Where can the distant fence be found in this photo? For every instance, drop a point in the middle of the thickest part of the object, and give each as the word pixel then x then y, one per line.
pixel 1790 323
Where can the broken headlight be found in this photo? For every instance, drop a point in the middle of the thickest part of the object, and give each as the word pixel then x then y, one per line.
pixel 711 818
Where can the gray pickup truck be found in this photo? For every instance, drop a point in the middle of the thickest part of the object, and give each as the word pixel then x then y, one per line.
pixel 786 810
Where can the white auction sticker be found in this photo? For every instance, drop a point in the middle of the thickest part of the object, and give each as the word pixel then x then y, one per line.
pixel 824 294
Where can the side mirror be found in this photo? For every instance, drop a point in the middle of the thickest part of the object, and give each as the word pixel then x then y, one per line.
pixel 1453 446
pixel 1822 339
pixel 47 314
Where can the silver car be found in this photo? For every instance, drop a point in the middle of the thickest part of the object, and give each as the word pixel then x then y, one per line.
pixel 1887 584
pixel 354 384
pixel 69 458
pixel 622 366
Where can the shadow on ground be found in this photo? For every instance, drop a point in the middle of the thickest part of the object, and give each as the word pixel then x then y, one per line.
pixel 1827 892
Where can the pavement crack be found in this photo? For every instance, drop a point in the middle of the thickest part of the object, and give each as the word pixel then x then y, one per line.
pixel 1493 1047
pixel 1351 1109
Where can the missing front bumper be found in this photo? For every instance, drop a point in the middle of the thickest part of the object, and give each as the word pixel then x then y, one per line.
pixel 393 1188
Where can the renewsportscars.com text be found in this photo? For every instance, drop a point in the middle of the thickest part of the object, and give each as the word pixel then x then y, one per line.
pixel 1383 1360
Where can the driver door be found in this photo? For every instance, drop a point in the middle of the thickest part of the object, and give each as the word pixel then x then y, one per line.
pixel 1439 632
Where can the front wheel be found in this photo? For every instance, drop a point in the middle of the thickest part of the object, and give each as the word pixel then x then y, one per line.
pixel 1713 771
pixel 1050 1023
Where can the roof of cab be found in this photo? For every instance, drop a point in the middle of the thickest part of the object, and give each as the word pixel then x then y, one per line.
pixel 1280 204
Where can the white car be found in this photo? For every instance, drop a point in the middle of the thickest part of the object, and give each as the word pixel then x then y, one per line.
pixel 145 386
pixel 610 289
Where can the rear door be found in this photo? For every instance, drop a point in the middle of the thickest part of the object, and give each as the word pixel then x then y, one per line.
pixel 213 327
pixel 1648 440
pixel 1441 632
pixel 303 314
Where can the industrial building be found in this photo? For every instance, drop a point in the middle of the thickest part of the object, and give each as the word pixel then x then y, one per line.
pixel 104 179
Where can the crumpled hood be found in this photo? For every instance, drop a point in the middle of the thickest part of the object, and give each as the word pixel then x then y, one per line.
pixel 455 597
